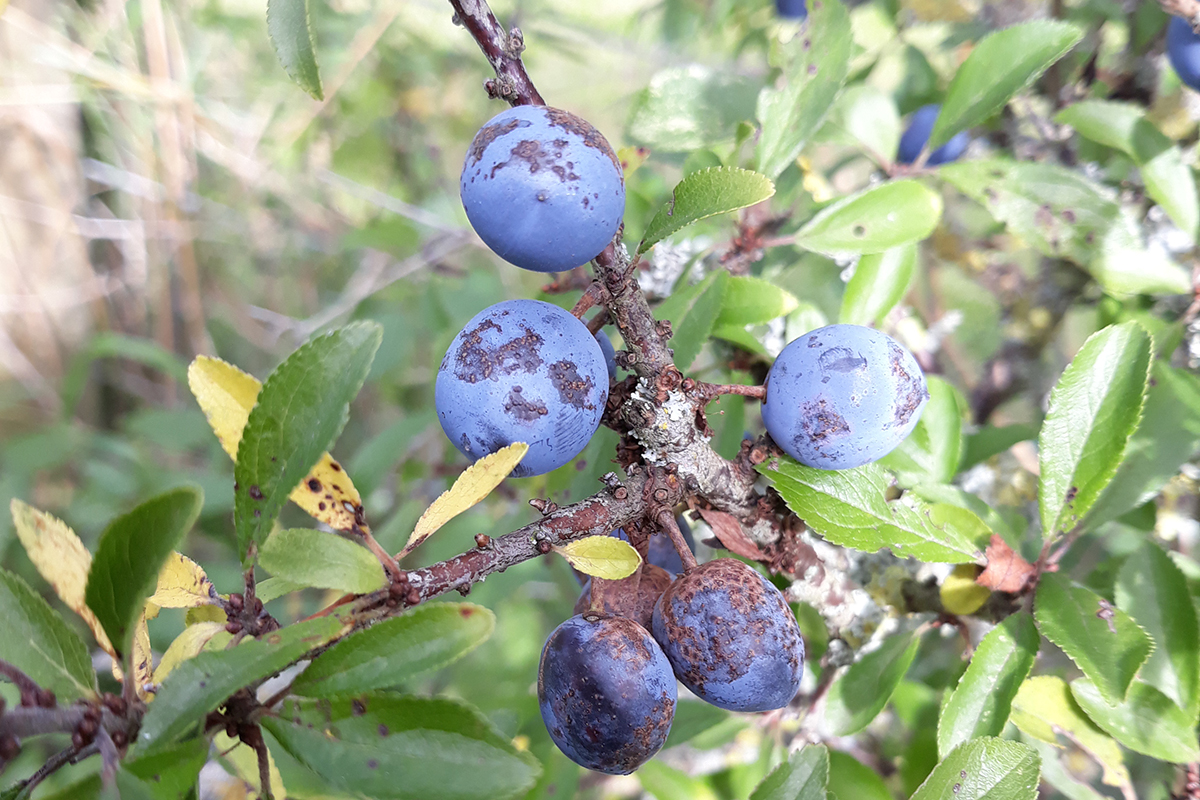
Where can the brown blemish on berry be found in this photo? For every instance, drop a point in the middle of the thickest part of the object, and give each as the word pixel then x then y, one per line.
pixel 477 361
pixel 585 131
pixel 525 410
pixel 910 391
pixel 488 134
pixel 573 389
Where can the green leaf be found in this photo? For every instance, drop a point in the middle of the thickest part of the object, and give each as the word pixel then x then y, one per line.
pixel 323 560
pixel 1044 709
pixel 851 780
pixel 880 281
pixel 1152 590
pixel 1056 774
pixel 393 651
pixel 870 115
pixel 1123 126
pixel 874 220
pixel 693 718
pixel 802 777
pixel 1167 437
pixel 36 640
pixel 301 409
pixel 687 108
pixel 930 454
pixel 1147 722
pixel 992 440
pixel 995 769
pixel 1103 641
pixel 814 69
pixel 274 588
pixel 667 783
pixel 171 773
pixel 1094 409
pixel 1000 65
pixel 393 747
pixel 200 684
pixel 131 553
pixel 849 507
pixel 981 703
pixel 1062 214
pixel 863 690
pixel 289 27
pixel 703 194
pixel 692 312
pixel 753 301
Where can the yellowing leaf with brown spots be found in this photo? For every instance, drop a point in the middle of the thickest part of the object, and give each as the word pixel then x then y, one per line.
pixel 602 556
pixel 143 658
pixel 61 559
pixel 226 395
pixel 182 584
pixel 472 486
pixel 186 645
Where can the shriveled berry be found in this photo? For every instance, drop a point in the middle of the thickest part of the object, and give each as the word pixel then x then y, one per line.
pixel 606 693
pixel 731 637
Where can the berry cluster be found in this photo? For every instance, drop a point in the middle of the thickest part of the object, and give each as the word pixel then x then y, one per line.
pixel 544 190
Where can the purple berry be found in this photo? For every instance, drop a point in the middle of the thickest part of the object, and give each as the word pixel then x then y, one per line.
pixel 610 353
pixel 792 9
pixel 606 693
pixel 522 371
pixel 731 637
pixel 543 188
pixel 1183 51
pixel 843 396
pixel 917 136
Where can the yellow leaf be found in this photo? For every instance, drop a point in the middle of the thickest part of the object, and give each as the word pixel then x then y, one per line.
pixel 226 395
pixel 603 556
pixel 186 645
pixel 205 614
pixel 143 658
pixel 182 584
pixel 631 158
pixel 1045 709
pixel 61 559
pixel 471 487
pixel 960 593
pixel 244 761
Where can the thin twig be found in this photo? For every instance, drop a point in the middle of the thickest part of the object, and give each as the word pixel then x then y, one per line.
pixel 666 521
pixel 28 686
pixel 54 764
pixel 592 295
pixel 714 390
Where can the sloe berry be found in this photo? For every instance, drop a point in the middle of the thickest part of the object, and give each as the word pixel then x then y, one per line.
pixel 917 136
pixel 1183 51
pixel 522 371
pixel 731 637
pixel 542 188
pixel 610 353
pixel 792 9
pixel 842 396
pixel 606 692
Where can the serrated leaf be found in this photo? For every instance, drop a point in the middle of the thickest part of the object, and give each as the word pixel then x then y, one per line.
pixel 291 34
pixel 1101 639
pixel 981 703
pixel 1044 709
pixel 226 395
pixel 690 107
pixel 692 313
pixel 931 453
pixel 1061 213
pixel 1094 410
pixel 171 773
pixel 851 780
pixel 1153 590
pixel 995 769
pixel 753 301
pixel 1146 722
pixel 601 556
pixel 392 747
pixel 880 281
pixel 849 507
pixel 130 556
pixel 802 777
pixel 863 690
pixel 200 684
pixel 476 483
pixel 61 559
pixel 1000 65
pixel 959 592
pixel 391 652
pixel 703 194
pixel 815 66
pixel 1056 774
pixel 882 217
pixel 300 411
pixel 322 560
pixel 182 583
pixel 1166 438
pixel 187 645
pixel 1123 126
pixel 36 640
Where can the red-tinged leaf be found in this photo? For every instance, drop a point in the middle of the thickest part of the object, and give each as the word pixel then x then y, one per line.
pixel 1006 571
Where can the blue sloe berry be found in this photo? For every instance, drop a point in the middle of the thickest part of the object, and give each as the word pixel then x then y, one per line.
pixel 792 9
pixel 731 637
pixel 843 396
pixel 522 371
pixel 543 188
pixel 917 135
pixel 1183 51
pixel 610 353
pixel 606 693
